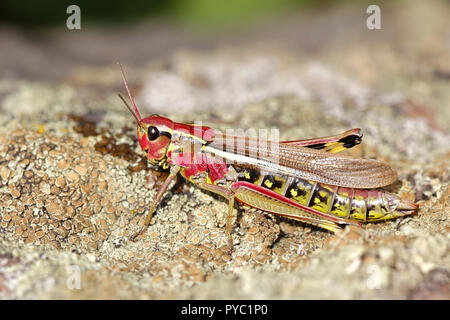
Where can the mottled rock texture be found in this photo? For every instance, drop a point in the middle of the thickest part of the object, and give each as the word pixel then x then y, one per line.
pixel 74 185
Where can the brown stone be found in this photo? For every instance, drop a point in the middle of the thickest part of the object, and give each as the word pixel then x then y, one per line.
pixel 63 164
pixel 81 170
pixel 4 173
pixel 53 208
pixel 15 193
pixel 73 176
pixel 86 212
pixel 60 181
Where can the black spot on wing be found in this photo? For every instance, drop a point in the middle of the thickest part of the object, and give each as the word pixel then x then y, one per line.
pixel 350 141
pixel 317 146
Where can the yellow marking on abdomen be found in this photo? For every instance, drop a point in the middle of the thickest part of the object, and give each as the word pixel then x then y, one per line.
pixel 322 198
pixel 358 209
pixel 341 205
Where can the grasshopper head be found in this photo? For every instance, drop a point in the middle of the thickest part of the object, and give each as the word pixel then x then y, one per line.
pixel 154 135
pixel 154 132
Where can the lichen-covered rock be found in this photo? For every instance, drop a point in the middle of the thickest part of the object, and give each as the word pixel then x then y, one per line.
pixel 74 184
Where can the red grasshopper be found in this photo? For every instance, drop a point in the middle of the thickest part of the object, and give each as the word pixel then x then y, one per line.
pixel 304 180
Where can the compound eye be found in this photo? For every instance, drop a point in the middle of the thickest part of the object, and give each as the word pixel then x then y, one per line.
pixel 152 133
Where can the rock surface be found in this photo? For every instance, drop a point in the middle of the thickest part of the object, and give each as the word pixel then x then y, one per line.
pixel 74 184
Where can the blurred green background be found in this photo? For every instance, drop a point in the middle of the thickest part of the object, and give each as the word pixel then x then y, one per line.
pixel 195 13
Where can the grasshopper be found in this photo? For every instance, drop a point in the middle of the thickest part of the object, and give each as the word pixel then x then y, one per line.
pixel 305 180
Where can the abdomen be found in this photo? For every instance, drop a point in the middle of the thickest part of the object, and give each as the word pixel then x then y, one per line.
pixel 356 204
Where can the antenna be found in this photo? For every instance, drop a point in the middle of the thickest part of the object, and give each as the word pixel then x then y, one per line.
pixel 137 115
pixel 131 110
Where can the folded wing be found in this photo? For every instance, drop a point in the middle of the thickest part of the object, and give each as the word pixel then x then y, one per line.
pixel 298 161
pixel 336 169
